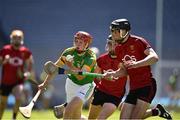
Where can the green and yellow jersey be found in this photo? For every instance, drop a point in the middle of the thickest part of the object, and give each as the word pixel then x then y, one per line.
pixel 82 61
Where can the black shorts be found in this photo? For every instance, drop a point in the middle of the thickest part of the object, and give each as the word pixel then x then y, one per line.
pixel 5 90
pixel 100 98
pixel 146 93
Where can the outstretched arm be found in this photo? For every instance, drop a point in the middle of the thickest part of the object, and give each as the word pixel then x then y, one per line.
pixel 52 69
pixel 121 72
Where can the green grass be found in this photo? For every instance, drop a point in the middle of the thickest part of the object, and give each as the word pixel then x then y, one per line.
pixel 48 115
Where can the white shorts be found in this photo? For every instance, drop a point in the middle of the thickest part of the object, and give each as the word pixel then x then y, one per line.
pixel 84 92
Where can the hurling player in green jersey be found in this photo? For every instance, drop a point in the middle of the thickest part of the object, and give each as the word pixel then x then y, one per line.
pixel 78 88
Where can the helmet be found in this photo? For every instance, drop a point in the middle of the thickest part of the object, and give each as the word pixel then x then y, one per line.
pixel 17 35
pixel 120 24
pixel 86 37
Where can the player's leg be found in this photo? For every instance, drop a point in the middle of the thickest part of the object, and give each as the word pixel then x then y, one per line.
pixel 85 92
pixel 96 104
pixel 59 110
pixel 71 89
pixel 94 111
pixel 126 110
pixel 128 105
pixel 140 109
pixel 111 103
pixel 76 96
pixel 160 111
pixel 145 96
pixel 163 112
pixel 4 93
pixel 107 110
pixel 73 109
pixel 3 103
pixel 18 93
pixel 151 112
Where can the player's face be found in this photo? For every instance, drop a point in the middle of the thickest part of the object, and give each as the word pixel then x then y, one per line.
pixel 110 46
pixel 118 35
pixel 80 44
pixel 17 38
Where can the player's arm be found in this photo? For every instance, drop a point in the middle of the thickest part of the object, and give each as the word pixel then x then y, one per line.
pixel 150 59
pixel 67 60
pixel 5 60
pixel 49 75
pixel 87 67
pixel 121 72
pixel 97 70
pixel 61 61
pixel 28 69
pixel 52 69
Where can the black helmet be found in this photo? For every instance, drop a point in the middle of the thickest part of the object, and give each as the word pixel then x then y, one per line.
pixel 120 24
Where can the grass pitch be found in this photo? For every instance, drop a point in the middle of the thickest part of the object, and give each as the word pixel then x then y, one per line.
pixel 48 115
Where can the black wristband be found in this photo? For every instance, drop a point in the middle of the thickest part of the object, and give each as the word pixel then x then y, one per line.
pixel 61 70
pixel 80 73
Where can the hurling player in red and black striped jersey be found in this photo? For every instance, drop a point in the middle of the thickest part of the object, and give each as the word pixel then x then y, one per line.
pixel 108 93
pixel 137 57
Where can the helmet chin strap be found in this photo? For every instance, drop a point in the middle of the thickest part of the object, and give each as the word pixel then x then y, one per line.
pixel 121 40
pixel 124 35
